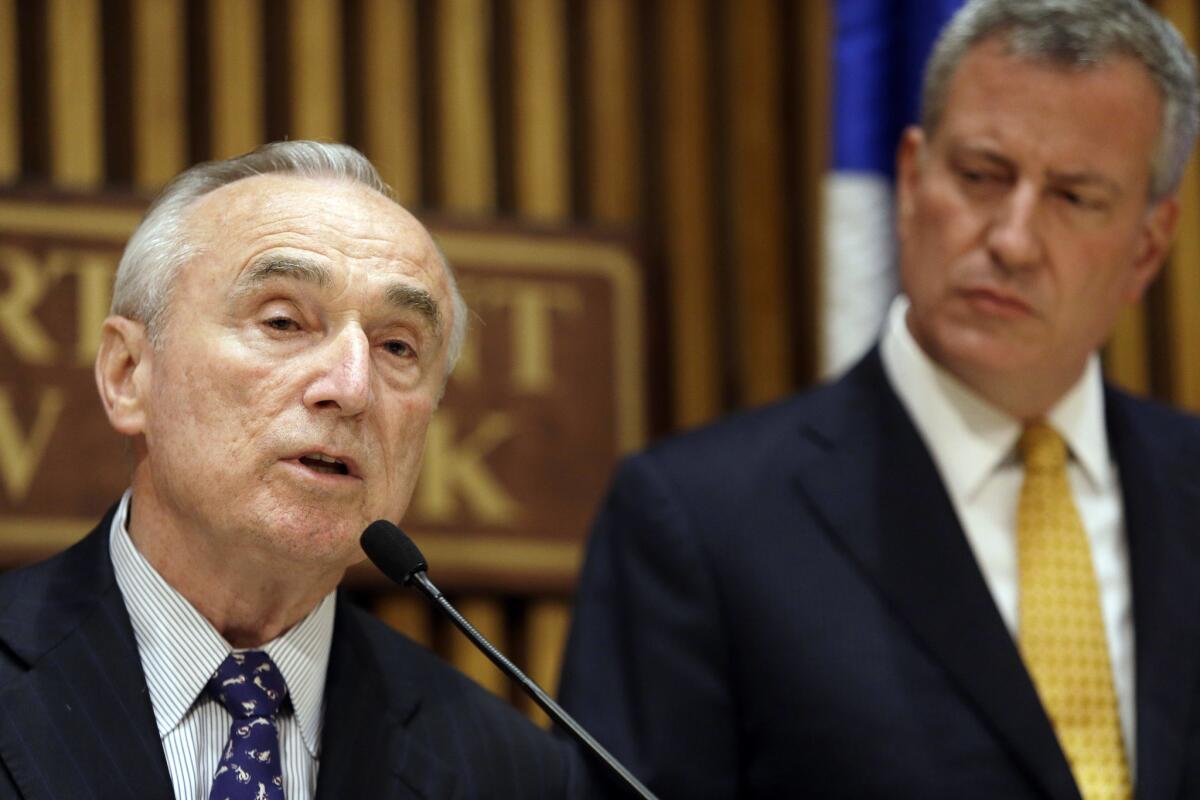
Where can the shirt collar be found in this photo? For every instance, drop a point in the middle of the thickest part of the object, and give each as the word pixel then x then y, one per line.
pixel 180 650
pixel 970 438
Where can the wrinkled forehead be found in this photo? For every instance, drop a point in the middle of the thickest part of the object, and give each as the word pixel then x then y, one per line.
pixel 337 215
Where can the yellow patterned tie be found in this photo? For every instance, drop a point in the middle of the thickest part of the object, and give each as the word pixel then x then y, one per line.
pixel 1061 629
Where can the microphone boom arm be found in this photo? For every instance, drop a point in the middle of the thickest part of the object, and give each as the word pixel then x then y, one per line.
pixel 544 701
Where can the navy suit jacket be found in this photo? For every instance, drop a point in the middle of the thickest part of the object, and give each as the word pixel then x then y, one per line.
pixel 76 720
pixel 784 604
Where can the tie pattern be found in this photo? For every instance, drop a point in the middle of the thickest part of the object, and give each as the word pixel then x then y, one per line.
pixel 1061 627
pixel 250 688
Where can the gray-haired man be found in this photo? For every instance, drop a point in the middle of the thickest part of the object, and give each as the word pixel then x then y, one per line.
pixel 968 569
pixel 281 333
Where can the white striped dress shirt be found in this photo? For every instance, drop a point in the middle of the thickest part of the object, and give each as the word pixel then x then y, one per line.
pixel 180 651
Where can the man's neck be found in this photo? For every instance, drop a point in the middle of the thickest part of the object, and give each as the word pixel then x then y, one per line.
pixel 249 600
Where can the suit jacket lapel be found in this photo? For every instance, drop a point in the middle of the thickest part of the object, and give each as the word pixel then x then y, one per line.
pixel 366 747
pixel 78 722
pixel 869 476
pixel 1162 505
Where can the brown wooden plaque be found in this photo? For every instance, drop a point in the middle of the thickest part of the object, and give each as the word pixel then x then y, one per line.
pixel 548 394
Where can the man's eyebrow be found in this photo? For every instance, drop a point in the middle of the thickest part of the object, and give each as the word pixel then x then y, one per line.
pixel 961 151
pixel 284 267
pixel 414 298
pixel 1086 179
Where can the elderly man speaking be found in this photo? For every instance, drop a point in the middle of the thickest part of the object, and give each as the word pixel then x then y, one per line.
pixel 281 334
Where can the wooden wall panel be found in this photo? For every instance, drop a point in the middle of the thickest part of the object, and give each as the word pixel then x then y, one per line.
pixel 540 110
pixel 1126 356
pixel 613 166
pixel 315 69
pixel 159 109
pixel 1182 278
pixel 74 67
pixel 465 131
pixel 10 98
pixel 756 213
pixel 686 138
pixel 391 101
pixel 235 60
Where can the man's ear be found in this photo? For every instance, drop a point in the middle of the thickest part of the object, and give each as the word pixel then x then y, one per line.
pixel 123 373
pixel 1157 232
pixel 909 155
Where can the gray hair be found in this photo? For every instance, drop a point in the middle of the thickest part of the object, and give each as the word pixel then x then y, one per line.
pixel 161 245
pixel 1080 34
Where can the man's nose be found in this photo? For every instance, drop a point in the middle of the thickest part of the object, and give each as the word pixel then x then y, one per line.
pixel 343 375
pixel 1013 238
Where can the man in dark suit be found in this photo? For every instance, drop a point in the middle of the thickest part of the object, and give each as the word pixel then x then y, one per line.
pixel 281 333
pixel 968 568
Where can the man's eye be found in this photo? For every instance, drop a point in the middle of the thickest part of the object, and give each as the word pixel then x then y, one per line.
pixel 975 176
pixel 1081 200
pixel 398 348
pixel 282 324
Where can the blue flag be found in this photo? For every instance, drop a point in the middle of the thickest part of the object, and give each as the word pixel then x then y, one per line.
pixel 879 56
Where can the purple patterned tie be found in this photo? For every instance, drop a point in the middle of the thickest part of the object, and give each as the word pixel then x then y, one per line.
pixel 251 689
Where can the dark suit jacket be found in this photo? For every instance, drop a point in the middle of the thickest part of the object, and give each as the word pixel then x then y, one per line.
pixel 76 720
pixel 784 604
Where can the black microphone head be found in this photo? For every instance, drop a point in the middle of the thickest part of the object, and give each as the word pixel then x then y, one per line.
pixel 390 549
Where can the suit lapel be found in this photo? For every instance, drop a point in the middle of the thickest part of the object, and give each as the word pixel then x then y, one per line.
pixel 366 748
pixel 1161 508
pixel 78 721
pixel 870 478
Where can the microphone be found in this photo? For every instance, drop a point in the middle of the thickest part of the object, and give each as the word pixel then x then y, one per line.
pixel 398 557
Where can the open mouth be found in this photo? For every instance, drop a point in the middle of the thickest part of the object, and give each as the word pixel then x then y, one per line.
pixel 319 462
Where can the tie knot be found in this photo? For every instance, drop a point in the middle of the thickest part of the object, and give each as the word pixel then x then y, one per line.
pixel 1042 448
pixel 248 685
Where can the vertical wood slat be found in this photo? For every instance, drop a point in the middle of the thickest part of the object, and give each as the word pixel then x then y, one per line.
pixel 408 613
pixel 487 616
pixel 1183 270
pixel 759 264
pixel 10 96
pixel 235 73
pixel 158 96
pixel 1127 355
pixel 466 161
pixel 613 164
pixel 540 118
pixel 315 74
pixel 685 131
pixel 546 626
pixel 391 104
pixel 74 70
pixel 813 65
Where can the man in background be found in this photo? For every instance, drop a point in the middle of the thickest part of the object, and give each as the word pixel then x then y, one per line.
pixel 281 333
pixel 969 568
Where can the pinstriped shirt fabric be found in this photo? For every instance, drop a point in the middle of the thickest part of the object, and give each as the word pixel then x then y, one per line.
pixel 180 651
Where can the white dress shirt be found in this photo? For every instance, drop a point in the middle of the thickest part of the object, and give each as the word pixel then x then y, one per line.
pixel 973 445
pixel 180 651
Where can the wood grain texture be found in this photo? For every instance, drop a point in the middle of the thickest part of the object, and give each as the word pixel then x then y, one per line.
pixel 613 165
pixel 546 626
pixel 540 109
pixel 315 59
pixel 755 188
pixel 686 140
pixel 467 159
pixel 159 109
pixel 74 70
pixel 235 57
pixel 391 105
pixel 486 614
pixel 1183 269
pixel 10 96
